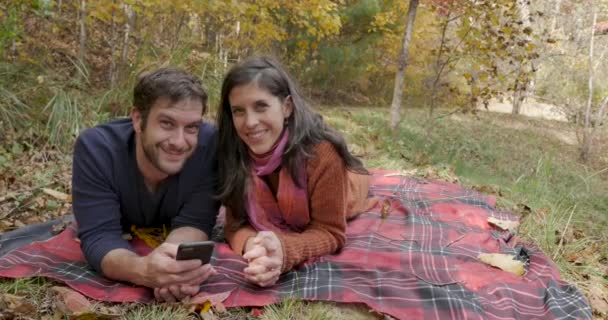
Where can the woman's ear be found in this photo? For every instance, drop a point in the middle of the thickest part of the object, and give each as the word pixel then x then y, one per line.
pixel 287 107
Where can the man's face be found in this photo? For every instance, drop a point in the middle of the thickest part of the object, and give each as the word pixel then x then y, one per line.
pixel 169 136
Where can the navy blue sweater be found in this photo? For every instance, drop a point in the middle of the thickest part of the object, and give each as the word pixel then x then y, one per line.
pixel 107 189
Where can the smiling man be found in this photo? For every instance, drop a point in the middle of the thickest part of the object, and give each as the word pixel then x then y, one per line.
pixel 154 169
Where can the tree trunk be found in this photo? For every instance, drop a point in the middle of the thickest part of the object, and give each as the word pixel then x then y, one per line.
pixel 403 59
pixel 585 148
pixel 521 88
pixel 518 99
pixel 439 64
pixel 127 33
pixel 112 71
pixel 556 11
pixel 83 30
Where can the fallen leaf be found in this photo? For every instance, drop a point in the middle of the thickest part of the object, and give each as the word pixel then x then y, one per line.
pixel 57 194
pixel 386 208
pixel 598 298
pixel 510 225
pixel 488 189
pixel 5 224
pixel 214 300
pixel 506 262
pixel 201 308
pixel 59 227
pixel 17 305
pixel 523 209
pixel 71 302
pixel 257 312
pixel 19 224
pixel 33 220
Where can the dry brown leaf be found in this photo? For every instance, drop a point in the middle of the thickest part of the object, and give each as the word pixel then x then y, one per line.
pixel 488 189
pixel 71 302
pixel 17 305
pixel 386 208
pixel 510 225
pixel 598 298
pixel 57 194
pixel 59 227
pixel 19 224
pixel 505 262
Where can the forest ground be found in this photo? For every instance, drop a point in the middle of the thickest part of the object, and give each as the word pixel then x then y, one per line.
pixel 529 164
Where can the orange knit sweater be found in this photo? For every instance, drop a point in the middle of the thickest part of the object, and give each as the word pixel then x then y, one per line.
pixel 334 194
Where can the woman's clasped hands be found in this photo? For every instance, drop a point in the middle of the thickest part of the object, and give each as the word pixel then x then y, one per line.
pixel 264 254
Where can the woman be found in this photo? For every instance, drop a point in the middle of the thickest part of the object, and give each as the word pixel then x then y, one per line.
pixel 288 181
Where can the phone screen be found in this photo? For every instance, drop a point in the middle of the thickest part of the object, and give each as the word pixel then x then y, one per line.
pixel 202 250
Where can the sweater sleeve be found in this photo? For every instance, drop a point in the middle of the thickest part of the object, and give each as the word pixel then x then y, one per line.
pixel 95 201
pixel 236 235
pixel 326 232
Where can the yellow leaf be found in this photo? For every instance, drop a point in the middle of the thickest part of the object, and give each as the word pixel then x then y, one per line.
pixel 505 262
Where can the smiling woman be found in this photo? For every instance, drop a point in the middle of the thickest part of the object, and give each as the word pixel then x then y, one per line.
pixel 288 180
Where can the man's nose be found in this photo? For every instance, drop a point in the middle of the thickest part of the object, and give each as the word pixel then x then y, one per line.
pixel 178 139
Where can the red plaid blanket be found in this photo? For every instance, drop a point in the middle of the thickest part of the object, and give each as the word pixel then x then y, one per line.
pixel 419 261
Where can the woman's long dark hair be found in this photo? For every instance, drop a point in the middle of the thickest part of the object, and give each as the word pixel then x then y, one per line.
pixel 306 129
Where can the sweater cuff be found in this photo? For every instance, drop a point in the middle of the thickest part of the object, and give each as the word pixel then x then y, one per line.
pixel 287 264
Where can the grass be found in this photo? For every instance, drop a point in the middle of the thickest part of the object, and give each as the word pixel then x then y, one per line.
pixel 567 201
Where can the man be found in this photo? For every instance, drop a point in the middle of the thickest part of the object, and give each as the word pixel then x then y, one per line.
pixel 156 169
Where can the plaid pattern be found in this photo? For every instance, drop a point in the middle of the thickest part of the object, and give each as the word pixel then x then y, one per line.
pixel 420 261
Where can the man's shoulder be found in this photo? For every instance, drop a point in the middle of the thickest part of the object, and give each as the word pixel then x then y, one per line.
pixel 112 134
pixel 207 134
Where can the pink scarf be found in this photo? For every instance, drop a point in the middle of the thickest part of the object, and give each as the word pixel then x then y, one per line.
pixel 289 209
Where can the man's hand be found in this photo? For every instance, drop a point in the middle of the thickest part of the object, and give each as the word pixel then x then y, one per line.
pixel 175 293
pixel 171 280
pixel 264 253
pixel 174 280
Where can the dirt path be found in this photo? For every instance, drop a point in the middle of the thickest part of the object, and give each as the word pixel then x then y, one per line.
pixel 530 108
pixel 539 110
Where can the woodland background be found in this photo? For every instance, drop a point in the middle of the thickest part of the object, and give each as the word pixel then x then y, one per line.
pixel 406 81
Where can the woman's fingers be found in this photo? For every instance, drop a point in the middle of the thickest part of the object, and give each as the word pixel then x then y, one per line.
pixel 264 279
pixel 268 240
pixel 256 252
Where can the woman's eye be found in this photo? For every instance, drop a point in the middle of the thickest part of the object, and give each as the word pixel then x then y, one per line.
pixel 261 107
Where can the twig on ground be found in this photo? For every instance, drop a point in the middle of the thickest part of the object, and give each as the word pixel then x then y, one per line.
pixel 561 240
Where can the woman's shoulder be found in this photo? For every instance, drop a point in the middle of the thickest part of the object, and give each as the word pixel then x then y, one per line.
pixel 325 149
pixel 324 153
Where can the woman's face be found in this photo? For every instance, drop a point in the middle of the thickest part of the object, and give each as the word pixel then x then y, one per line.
pixel 258 116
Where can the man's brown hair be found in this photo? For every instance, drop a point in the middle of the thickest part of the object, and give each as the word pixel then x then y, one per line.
pixel 169 82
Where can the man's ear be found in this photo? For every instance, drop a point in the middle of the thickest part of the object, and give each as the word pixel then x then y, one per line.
pixel 137 119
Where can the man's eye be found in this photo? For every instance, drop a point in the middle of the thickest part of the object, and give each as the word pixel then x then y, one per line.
pixel 166 124
pixel 192 129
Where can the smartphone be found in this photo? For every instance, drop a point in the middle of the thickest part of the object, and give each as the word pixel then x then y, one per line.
pixel 202 250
